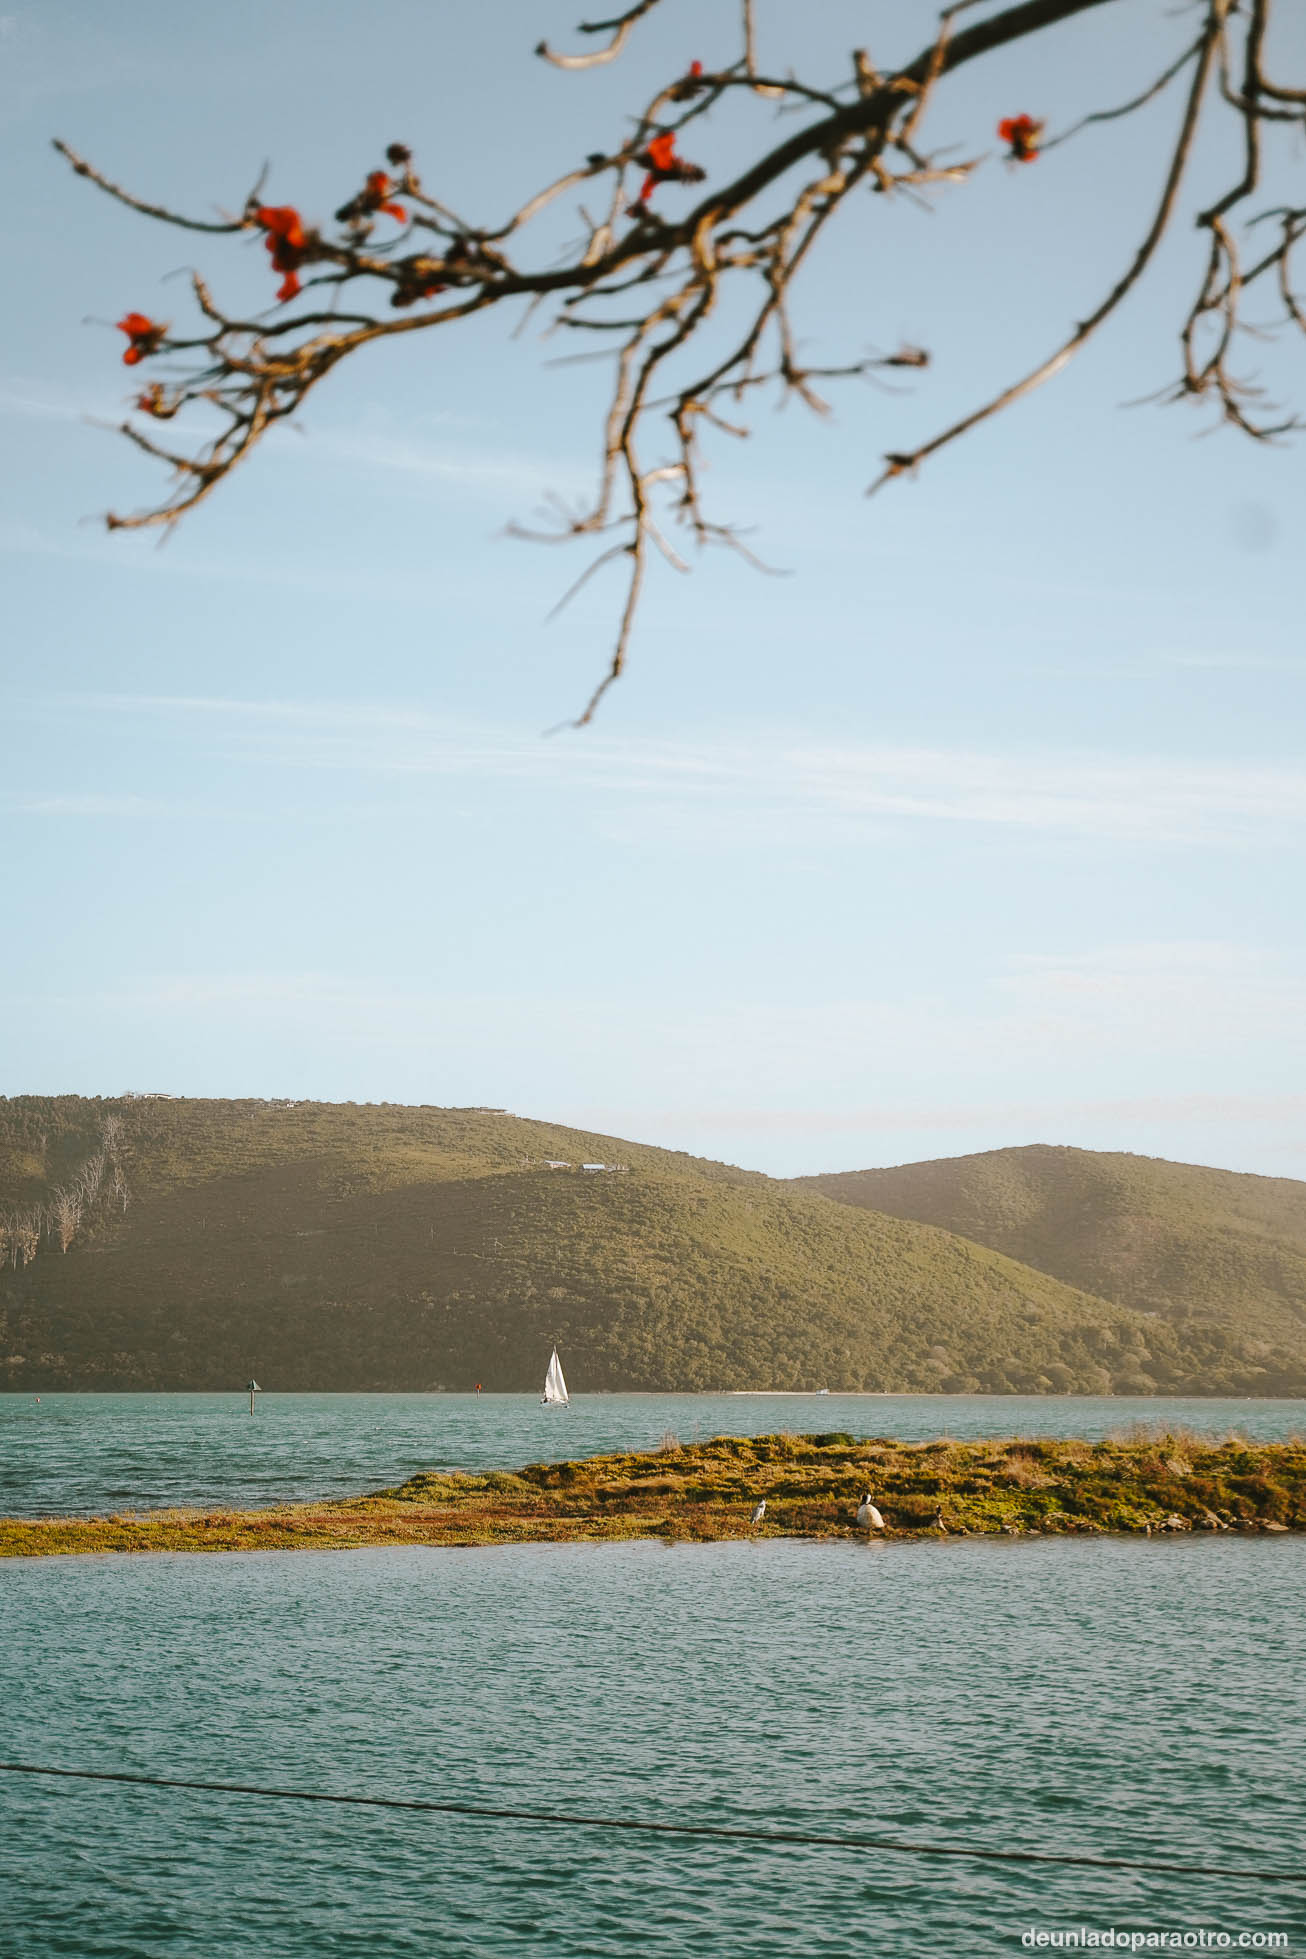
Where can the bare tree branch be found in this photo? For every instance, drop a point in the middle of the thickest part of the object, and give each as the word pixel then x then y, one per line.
pixel 896 465
pixel 399 260
pixel 620 28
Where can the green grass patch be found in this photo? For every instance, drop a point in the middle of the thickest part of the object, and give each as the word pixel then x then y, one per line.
pixel 811 1490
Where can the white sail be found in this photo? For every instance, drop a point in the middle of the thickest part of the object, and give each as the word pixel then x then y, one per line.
pixel 555 1388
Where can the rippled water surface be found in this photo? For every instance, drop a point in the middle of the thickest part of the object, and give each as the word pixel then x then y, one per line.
pixel 1112 1697
pixel 92 1452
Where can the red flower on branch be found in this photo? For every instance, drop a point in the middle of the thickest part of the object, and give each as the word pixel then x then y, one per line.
pixel 154 401
pixel 287 243
pixel 145 336
pixel 1022 134
pixel 378 189
pixel 373 197
pixel 689 84
pixel 660 156
pixel 664 166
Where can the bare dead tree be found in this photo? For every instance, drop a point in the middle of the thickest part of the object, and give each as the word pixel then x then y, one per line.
pixel 112 1137
pixel 25 1236
pixel 65 1213
pixel 644 286
pixel 69 1205
pixel 89 1180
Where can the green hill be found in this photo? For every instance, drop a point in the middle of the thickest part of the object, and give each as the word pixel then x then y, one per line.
pixel 158 1243
pixel 1204 1249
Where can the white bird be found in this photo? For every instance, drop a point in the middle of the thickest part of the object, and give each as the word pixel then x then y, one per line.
pixel 868 1516
pixel 759 1513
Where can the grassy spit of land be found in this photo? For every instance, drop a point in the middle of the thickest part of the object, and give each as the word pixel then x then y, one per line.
pixel 812 1485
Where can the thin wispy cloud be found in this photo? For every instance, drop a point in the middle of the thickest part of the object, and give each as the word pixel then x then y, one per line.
pixel 467 463
pixel 1230 660
pixel 1162 958
pixel 78 804
pixel 263 991
pixel 1183 987
pixel 1134 798
pixel 506 473
pixel 1039 1117
pixel 33 403
pixel 1161 993
pixel 154 552
pixel 1111 799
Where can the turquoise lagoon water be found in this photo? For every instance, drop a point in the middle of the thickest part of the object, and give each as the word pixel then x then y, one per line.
pixel 1113 1697
pixel 81 1453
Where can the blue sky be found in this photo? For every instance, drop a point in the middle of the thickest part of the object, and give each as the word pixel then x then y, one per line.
pixel 980 827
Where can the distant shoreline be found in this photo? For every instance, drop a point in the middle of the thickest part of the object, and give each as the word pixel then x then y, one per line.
pixel 680 1394
pixel 1171 1481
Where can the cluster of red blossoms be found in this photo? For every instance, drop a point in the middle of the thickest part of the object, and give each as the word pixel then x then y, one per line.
pixel 290 245
pixel 372 198
pixel 144 336
pixel 287 243
pixel 665 167
pixel 1022 134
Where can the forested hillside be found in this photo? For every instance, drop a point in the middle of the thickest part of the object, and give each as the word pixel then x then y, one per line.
pixel 347 1247
pixel 1205 1249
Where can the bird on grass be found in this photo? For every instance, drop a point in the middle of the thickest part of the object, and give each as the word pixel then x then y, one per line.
pixel 759 1513
pixel 868 1517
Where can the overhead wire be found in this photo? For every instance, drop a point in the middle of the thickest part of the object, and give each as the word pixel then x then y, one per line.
pixel 712 1832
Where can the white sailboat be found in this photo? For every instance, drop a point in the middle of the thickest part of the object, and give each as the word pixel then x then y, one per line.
pixel 555 1388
